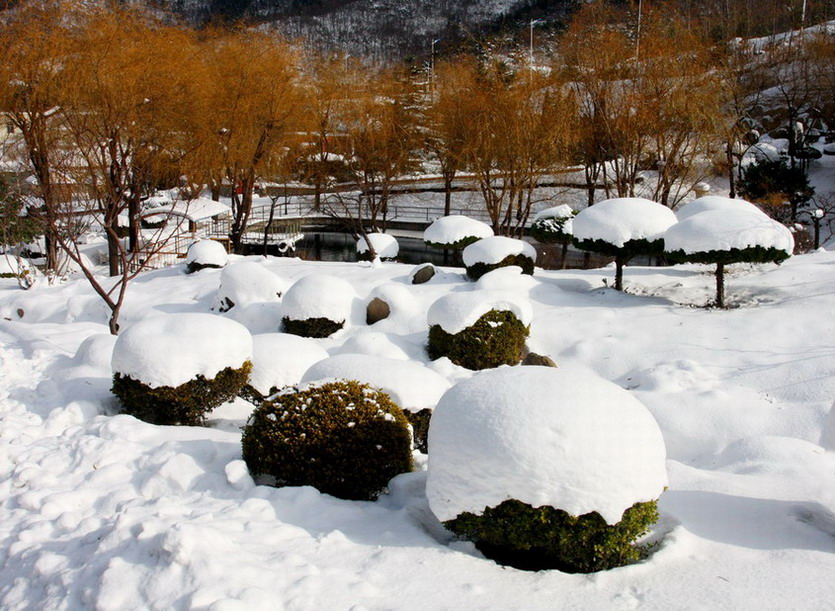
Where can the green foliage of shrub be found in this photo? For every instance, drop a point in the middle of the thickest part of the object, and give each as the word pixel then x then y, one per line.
pixel 753 254
pixel 516 534
pixel 476 271
pixel 312 327
pixel 550 230
pixel 420 427
pixel 186 404
pixel 344 438
pixel 497 338
pixel 196 267
pixel 768 181
pixel 459 245
pixel 630 248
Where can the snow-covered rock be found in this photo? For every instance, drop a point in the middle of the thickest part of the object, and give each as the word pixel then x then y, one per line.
pixel 622 219
pixel 724 229
pixel 319 296
pixel 206 253
pixel 715 202
pixel 494 249
pixel 280 359
pixel 563 438
pixel 376 344
pixel 172 349
pixel 411 385
pixel 453 229
pixel 454 312
pixel 248 282
pixel 385 245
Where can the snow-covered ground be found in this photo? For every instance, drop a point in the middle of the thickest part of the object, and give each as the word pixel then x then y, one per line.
pixel 99 510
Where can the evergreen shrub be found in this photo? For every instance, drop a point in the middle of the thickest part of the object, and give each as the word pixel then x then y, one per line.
pixel 497 338
pixel 186 404
pixel 477 270
pixel 312 327
pixel 344 438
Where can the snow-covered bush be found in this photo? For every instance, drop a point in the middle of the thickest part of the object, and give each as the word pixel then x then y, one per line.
pixel 245 283
pixel 317 306
pixel 623 228
pixel 479 329
pixel 455 232
pixel 554 226
pixel 205 253
pixel 546 468
pixel 716 202
pixel 279 360
pixel 175 369
pixel 722 237
pixel 343 438
pixel 498 251
pixel 385 245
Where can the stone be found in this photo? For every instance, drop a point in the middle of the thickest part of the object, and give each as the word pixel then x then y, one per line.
pixel 376 311
pixel 423 274
pixel 540 360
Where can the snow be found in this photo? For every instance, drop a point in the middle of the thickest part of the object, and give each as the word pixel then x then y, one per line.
pixel 280 359
pixel 207 252
pixel 563 211
pixel 622 219
pixel 247 282
pixel 385 245
pixel 171 349
pixel 102 511
pixel 715 202
pixel 494 249
pixel 378 344
pixel 319 296
pixel 724 229
pixel 454 228
pixel 827 439
pixel 411 385
pixel 454 312
pixel 562 438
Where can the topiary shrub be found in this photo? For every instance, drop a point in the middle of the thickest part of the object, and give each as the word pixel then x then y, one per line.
pixel 477 270
pixel 312 327
pixel 186 404
pixel 420 427
pixel 344 438
pixel 496 338
pixel 536 538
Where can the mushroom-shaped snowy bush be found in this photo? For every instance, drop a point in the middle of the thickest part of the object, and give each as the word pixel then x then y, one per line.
pixel 623 228
pixel 415 388
pixel 479 329
pixel 455 232
pixel 279 360
pixel 245 283
pixel 554 226
pixel 205 253
pixel 498 251
pixel 176 368
pixel 715 202
pixel 546 468
pixel 726 236
pixel 385 246
pixel 317 305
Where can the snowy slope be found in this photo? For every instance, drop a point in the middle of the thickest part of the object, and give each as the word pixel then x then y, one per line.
pixel 103 511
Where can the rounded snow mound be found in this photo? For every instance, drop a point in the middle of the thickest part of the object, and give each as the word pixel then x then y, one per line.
pixel 207 253
pixel 9 264
pixel 510 278
pixel 172 349
pixel 563 211
pixel 280 359
pixel 319 296
pixel 715 202
pixel 495 249
pixel 558 437
pixel 411 385
pixel 455 228
pixel 376 344
pixel 827 440
pixel 385 245
pixel 726 230
pixel 622 219
pixel 454 312
pixel 247 282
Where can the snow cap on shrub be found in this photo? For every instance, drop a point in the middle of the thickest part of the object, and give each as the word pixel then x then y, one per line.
pixel 385 245
pixel 622 219
pixel 172 349
pixel 495 249
pixel 319 296
pixel 562 438
pixel 456 231
pixel 454 312
pixel 724 230
pixel 280 359
pixel 716 202
pixel 206 253
pixel 248 282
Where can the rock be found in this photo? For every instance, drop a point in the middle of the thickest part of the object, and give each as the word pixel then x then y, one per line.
pixel 540 360
pixel 377 310
pixel 423 274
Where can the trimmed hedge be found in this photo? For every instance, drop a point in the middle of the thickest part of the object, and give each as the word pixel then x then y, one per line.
pixel 497 338
pixel 476 271
pixel 186 404
pixel 420 427
pixel 345 438
pixel 534 538
pixel 312 327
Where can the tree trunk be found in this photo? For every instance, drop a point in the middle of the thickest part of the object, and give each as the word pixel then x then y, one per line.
pixel 720 285
pixel 619 272
pixel 729 155
pixel 564 260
